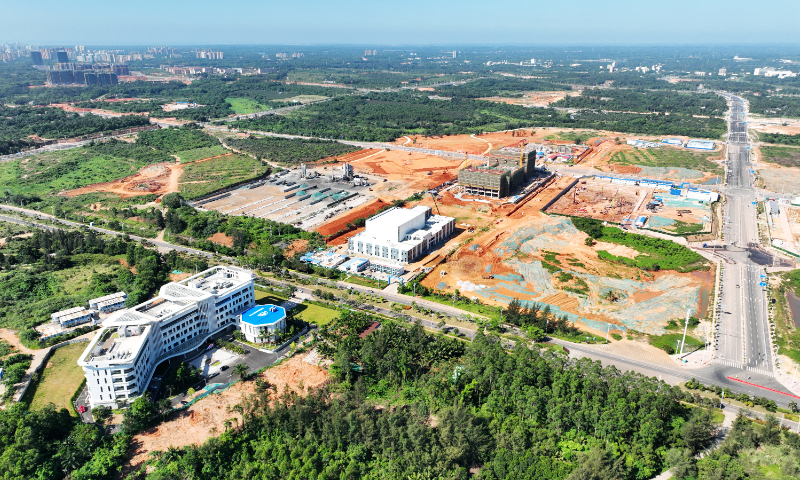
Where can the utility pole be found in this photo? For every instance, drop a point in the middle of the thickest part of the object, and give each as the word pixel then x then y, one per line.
pixel 608 332
pixel 685 327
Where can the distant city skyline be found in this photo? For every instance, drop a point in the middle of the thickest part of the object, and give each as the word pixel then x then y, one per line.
pixel 201 22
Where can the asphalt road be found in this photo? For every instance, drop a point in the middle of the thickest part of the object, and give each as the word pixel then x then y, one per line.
pixel 43 217
pixel 743 331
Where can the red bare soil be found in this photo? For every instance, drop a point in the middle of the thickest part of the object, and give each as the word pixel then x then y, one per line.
pixel 339 223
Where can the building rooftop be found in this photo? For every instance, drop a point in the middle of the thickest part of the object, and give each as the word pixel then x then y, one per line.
pixel 117 344
pixel 161 307
pixel 399 216
pixel 70 312
pixel 264 315
pixel 105 298
pixel 215 281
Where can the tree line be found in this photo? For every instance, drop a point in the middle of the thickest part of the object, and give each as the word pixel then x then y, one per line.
pixel 406 404
pixel 290 151
pixel 17 123
pixel 647 101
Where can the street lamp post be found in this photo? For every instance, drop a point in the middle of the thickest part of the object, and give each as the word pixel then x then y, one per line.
pixel 685 327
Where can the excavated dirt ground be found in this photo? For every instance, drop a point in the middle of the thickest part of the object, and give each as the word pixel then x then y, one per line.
pixel 159 178
pixel 504 263
pixel 534 99
pixel 406 173
pixel 336 224
pixel 207 417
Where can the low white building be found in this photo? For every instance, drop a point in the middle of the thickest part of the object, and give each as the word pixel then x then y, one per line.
pixel 108 303
pixel 120 360
pixel 263 323
pixel 399 235
pixel 72 316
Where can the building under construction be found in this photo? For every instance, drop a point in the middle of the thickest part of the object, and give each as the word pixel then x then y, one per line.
pixel 498 177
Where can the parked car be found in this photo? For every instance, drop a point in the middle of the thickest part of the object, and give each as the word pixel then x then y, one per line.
pixel 81 408
pixel 212 375
pixel 223 368
pixel 184 402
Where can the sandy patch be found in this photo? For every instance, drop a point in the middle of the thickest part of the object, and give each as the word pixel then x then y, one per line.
pixel 221 239
pixel 297 246
pixel 207 417
pixel 12 338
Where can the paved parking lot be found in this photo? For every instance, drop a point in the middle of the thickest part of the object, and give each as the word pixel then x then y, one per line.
pixel 254 359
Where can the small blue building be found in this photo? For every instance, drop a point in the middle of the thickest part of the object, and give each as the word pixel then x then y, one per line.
pixel 263 323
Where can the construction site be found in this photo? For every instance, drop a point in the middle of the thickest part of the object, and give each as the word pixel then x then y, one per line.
pixel 631 205
pixel 499 176
pixel 504 251
pixel 304 197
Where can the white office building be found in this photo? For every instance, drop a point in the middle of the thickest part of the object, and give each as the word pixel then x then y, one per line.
pixel 400 235
pixel 120 360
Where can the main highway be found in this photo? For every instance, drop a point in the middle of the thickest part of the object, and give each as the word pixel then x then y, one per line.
pixel 743 339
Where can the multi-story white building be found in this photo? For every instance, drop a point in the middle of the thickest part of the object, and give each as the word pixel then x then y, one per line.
pixel 120 360
pixel 400 235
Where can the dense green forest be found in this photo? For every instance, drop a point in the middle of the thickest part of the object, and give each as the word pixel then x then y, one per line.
pixel 16 123
pixel 387 116
pixel 775 105
pixel 780 138
pixel 647 101
pixel 426 406
pixel 133 106
pixel 289 150
pixel 176 139
pixel 751 451
pixel 48 444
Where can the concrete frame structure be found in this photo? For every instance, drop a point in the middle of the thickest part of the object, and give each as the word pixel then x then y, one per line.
pixel 119 362
pixel 499 176
pixel 399 235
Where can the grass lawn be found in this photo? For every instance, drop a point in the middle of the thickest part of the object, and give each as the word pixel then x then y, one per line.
pixel 671 340
pixel 53 172
pixel 366 282
pixel 786 156
pixel 669 157
pixel 316 314
pixel 264 298
pixel 60 378
pixel 192 155
pixel 199 179
pixel 245 105
pixel 73 280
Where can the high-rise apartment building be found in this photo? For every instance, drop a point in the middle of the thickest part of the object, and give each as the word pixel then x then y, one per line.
pixel 36 58
pixel 62 57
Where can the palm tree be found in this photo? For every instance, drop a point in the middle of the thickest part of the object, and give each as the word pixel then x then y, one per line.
pixel 69 460
pixel 240 369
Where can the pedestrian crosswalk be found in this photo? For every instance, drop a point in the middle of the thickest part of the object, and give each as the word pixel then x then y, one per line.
pixel 730 363
pixel 760 371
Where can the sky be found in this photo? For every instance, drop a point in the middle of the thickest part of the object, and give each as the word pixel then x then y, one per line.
pixel 379 22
